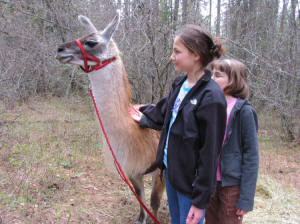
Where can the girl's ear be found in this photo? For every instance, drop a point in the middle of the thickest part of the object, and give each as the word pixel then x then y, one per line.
pixel 197 56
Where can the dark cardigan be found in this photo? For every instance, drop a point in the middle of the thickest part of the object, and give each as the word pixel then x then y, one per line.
pixel 239 155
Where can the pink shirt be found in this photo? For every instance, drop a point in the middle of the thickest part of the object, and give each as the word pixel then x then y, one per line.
pixel 230 105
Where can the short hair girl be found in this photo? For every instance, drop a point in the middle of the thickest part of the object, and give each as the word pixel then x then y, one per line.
pixel 238 161
pixel 192 119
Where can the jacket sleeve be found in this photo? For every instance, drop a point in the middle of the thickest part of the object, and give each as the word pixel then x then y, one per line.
pixel 250 158
pixel 211 120
pixel 154 115
pixel 147 123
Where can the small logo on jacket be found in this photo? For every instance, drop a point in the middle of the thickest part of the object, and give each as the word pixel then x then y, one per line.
pixel 193 101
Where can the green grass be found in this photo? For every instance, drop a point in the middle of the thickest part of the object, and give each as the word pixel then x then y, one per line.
pixel 52 169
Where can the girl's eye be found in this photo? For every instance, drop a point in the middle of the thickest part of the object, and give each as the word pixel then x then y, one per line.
pixel 91 43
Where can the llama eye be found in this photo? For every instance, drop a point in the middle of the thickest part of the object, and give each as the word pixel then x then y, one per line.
pixel 91 43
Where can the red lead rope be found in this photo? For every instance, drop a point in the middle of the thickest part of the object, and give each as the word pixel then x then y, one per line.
pixel 117 165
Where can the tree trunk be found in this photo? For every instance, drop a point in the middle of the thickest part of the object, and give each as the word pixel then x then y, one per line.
pixel 210 9
pixel 175 13
pixel 298 68
pixel 127 12
pixel 218 18
pixel 292 27
pixel 155 8
pixel 283 15
pixel 234 17
pixel 184 11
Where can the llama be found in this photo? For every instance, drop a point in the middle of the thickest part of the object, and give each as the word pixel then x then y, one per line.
pixel 135 148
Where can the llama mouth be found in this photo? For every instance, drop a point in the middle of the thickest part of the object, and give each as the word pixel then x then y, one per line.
pixel 64 59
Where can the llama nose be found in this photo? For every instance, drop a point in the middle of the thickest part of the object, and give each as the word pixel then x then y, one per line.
pixel 60 49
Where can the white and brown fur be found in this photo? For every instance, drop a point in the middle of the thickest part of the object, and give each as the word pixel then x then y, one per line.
pixel 135 148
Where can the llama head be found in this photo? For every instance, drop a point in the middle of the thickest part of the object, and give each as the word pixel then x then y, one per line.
pixel 96 43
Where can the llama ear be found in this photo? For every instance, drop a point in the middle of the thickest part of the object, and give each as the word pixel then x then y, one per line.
pixel 86 22
pixel 111 27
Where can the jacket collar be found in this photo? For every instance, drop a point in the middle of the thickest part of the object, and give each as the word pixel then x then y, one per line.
pixel 237 107
pixel 177 85
pixel 239 104
pixel 205 78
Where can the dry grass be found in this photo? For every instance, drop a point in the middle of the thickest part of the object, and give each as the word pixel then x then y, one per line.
pixel 52 171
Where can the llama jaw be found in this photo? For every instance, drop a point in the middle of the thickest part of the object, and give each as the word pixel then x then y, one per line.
pixel 64 58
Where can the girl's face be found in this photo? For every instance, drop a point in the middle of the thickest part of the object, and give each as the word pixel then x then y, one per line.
pixel 220 77
pixel 183 59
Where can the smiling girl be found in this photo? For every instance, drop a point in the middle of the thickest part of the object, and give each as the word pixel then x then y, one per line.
pixel 192 119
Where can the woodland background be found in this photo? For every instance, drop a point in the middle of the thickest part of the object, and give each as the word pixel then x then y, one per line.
pixel 51 163
pixel 264 34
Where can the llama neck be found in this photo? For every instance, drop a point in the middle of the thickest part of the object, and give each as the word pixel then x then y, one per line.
pixel 110 89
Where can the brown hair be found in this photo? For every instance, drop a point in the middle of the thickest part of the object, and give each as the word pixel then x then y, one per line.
pixel 237 77
pixel 198 41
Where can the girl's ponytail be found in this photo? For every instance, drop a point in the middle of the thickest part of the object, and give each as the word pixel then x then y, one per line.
pixel 217 50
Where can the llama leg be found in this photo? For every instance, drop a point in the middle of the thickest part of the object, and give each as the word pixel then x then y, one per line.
pixel 138 184
pixel 158 187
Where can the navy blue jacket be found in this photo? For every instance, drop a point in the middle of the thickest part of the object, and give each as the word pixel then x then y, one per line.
pixel 239 155
pixel 195 137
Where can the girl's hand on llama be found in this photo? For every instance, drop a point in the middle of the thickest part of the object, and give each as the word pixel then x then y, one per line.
pixel 137 106
pixel 135 113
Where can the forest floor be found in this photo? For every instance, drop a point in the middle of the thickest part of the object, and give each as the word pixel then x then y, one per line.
pixel 52 169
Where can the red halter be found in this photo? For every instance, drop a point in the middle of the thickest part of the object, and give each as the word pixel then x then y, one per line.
pixel 99 64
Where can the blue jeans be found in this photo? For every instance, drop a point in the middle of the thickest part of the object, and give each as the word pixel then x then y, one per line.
pixel 179 204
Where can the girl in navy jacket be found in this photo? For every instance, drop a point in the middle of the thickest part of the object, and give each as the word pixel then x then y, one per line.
pixel 238 161
pixel 192 119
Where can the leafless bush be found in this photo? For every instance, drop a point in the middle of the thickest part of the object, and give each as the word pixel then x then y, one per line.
pixel 262 34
